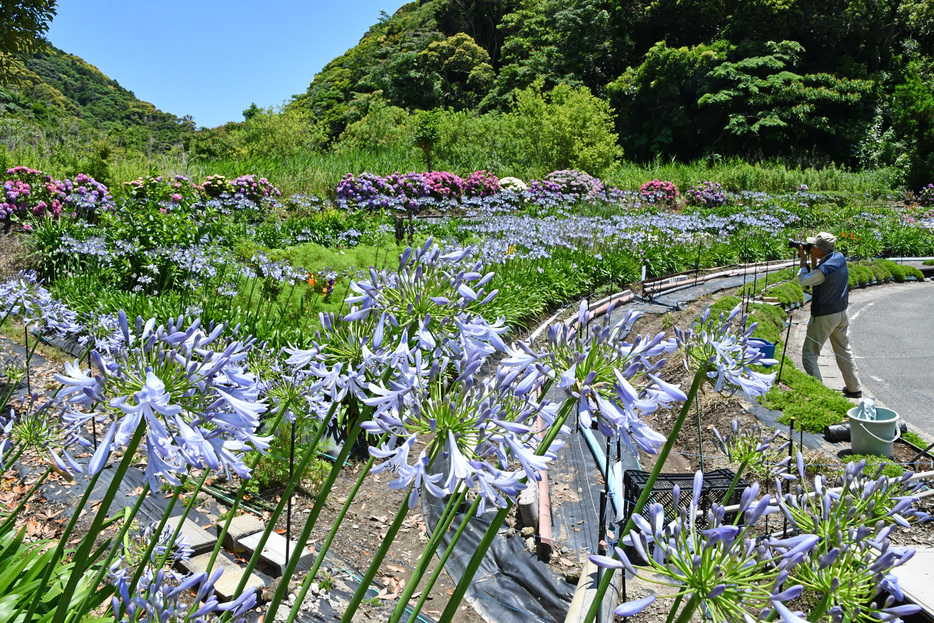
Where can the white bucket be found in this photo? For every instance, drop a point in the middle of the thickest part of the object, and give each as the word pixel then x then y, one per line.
pixel 876 436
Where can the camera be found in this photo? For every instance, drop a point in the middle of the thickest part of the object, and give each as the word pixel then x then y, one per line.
pixel 794 244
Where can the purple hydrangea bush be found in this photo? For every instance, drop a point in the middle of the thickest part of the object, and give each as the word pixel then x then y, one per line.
pixel 926 196
pixel 30 193
pixel 577 184
pixel 708 194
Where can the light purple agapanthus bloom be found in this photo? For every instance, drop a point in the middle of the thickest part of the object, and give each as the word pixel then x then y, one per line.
pixel 484 431
pixel 186 385
pixel 722 346
pixel 611 380
pixel 717 563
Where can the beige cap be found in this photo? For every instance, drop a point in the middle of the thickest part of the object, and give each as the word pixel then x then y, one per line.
pixel 823 240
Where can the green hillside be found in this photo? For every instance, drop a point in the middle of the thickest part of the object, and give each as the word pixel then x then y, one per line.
pixel 58 95
pixel 808 81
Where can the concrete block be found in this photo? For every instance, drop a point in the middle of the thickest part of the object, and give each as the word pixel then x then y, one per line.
pixel 273 556
pixel 528 505
pixel 198 539
pixel 226 585
pixel 240 526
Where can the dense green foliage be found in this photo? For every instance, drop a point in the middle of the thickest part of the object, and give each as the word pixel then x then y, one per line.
pixel 811 81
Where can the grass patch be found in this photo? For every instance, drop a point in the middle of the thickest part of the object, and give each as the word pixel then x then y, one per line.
pixel 890 469
pixel 914 438
pixel 812 404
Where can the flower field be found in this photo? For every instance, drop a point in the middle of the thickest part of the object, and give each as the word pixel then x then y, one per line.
pixel 207 318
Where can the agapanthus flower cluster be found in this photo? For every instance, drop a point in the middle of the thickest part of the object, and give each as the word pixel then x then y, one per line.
pixel 707 194
pixel 484 431
pixel 613 382
pixel 719 565
pixel 852 558
pixel 38 426
pixel 721 345
pixel 758 448
pixel 658 191
pixel 186 386
pixel 434 298
pixel 24 297
pixel 165 595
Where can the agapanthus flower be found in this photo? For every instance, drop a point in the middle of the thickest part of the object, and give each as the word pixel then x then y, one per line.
pixel 722 346
pixel 757 448
pixel 165 595
pixel 200 406
pixel 40 427
pixel 851 559
pixel 611 381
pixel 434 298
pixel 719 566
pixel 484 429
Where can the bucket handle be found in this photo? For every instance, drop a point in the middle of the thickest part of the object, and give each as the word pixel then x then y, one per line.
pixel 898 432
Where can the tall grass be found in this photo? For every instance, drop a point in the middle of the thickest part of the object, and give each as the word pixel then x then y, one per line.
pixel 736 175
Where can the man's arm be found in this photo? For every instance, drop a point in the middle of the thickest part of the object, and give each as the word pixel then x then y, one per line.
pixel 807 276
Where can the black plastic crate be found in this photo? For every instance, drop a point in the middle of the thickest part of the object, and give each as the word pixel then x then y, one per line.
pixel 716 484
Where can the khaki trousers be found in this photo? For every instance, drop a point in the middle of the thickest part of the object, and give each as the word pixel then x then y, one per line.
pixel 833 327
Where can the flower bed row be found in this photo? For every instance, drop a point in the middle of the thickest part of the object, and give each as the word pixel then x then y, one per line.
pixel 30 194
pixel 404 191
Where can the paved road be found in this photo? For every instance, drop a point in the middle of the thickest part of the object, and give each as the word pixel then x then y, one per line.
pixel 892 335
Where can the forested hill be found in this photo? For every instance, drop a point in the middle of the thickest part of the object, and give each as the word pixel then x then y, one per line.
pixel 57 91
pixel 842 80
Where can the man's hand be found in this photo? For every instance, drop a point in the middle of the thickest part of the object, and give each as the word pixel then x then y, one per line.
pixel 802 256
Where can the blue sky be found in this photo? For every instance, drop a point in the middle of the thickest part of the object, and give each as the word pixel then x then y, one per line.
pixel 209 58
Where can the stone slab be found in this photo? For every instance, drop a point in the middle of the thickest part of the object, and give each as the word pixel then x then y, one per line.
pixel 915 578
pixel 226 585
pixel 240 526
pixel 273 554
pixel 198 539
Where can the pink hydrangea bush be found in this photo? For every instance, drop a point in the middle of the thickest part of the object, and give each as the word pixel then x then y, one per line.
pixel 658 191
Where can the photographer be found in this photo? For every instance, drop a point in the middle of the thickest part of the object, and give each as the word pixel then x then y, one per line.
pixel 828 277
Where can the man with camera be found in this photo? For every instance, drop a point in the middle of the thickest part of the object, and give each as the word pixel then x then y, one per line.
pixel 826 273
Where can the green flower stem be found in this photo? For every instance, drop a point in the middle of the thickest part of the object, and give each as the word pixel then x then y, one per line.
pixel 818 612
pixel 81 558
pixel 451 609
pixel 377 560
pixel 673 611
pixel 319 559
pixel 444 522
pixel 312 519
pixel 15 512
pixel 60 548
pixel 413 616
pixel 243 485
pixel 128 516
pixel 310 452
pixel 689 609
pixel 650 483
pixel 18 449
pixel 181 519
pixel 729 492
